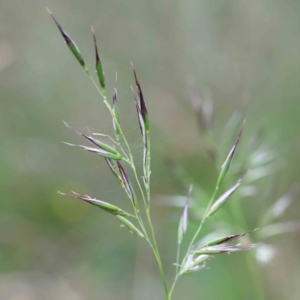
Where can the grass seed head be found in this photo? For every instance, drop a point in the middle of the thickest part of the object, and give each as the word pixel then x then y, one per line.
pixel 227 239
pixel 99 68
pixel 226 164
pixel 223 199
pixel 107 151
pixel 184 218
pixel 98 151
pixel 143 107
pixel 222 248
pixel 70 43
pixel 115 108
pixel 112 209
pixel 140 116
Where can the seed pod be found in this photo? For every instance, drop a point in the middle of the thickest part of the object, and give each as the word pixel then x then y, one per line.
pixel 129 225
pixel 221 201
pixel 98 143
pixel 99 151
pixel 143 107
pixel 71 44
pixel 99 69
pixel 226 164
pixel 112 209
pixel 184 218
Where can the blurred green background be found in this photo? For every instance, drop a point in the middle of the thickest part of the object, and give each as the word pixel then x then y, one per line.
pixel 245 52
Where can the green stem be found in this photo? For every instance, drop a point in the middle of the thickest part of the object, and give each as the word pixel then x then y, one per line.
pixel 158 256
pixel 173 286
pixel 147 171
pixel 177 258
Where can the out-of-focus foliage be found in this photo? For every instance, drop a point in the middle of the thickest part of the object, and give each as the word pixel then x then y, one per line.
pixel 242 54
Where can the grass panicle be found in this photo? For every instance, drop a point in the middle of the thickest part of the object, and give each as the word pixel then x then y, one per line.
pixel 195 257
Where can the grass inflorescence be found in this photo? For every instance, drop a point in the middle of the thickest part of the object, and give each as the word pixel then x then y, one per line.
pixel 139 221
